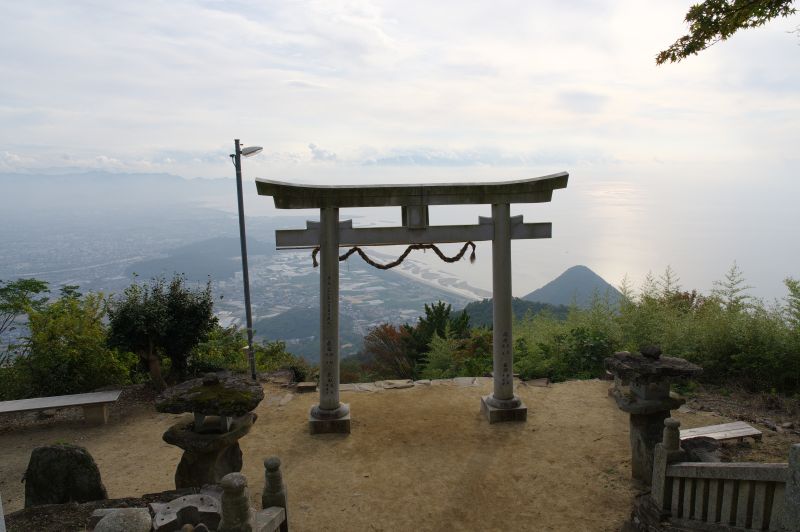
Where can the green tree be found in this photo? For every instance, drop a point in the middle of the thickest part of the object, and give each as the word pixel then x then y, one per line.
pixel 191 319
pixel 17 298
pixel 438 317
pixel 732 291
pixel 156 319
pixel 712 21
pixel 222 349
pixel 442 361
pixel 68 351
pixel 793 302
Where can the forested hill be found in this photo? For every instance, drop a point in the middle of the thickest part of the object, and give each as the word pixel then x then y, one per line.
pixel 216 258
pixel 480 312
pixel 578 285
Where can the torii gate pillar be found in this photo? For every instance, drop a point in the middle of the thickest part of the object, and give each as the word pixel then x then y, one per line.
pixel 329 416
pixel 502 404
pixel 329 234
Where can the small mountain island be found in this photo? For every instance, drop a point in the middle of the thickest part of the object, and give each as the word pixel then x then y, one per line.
pixel 577 285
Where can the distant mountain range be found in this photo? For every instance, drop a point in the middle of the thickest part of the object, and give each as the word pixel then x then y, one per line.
pixel 578 285
pixel 215 258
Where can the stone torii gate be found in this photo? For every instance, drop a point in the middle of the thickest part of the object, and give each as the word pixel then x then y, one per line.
pixel 330 415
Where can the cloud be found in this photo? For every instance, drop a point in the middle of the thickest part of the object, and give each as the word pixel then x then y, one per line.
pixel 486 157
pixel 582 101
pixel 167 85
pixel 319 154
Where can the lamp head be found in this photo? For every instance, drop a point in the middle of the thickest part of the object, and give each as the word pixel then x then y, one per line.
pixel 251 150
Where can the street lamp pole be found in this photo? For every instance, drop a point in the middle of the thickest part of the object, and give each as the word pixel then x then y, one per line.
pixel 237 162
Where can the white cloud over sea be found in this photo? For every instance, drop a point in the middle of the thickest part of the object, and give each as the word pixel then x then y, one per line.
pixel 358 90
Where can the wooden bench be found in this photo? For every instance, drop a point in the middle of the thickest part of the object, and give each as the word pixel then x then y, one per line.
pixel 95 404
pixel 738 430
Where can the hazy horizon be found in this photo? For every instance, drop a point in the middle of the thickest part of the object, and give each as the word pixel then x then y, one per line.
pixel 629 233
pixel 692 165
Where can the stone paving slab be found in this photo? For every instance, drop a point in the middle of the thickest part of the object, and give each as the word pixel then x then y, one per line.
pixel 285 399
pixel 349 387
pixel 464 381
pixel 306 387
pixel 422 382
pixel 542 383
pixel 397 384
pixel 441 382
pixel 366 387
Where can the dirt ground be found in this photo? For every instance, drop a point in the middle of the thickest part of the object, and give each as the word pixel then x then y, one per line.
pixel 421 458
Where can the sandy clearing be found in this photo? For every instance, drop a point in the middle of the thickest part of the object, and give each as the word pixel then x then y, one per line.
pixel 417 459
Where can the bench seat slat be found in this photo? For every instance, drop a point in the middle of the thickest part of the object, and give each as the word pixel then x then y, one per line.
pixel 59 401
pixel 725 431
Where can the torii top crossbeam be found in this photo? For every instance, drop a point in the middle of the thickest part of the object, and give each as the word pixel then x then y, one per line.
pixel 297 196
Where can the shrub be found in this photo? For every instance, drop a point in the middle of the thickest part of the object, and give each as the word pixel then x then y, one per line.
pixel 159 319
pixel 225 349
pixel 67 351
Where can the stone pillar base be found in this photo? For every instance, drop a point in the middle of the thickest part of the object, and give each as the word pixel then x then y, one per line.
pixel 500 415
pixel 339 425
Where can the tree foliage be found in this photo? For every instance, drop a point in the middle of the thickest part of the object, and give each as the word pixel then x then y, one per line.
pixel 732 290
pixel 793 303
pixel 737 339
pixel 712 21
pixel 438 317
pixel 66 352
pixel 385 347
pixel 223 349
pixel 161 319
pixel 17 298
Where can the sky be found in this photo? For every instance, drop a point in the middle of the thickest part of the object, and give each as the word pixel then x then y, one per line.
pixel 691 165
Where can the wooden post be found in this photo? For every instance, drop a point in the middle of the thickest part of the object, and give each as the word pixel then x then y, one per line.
pixel 667 451
pixel 791 495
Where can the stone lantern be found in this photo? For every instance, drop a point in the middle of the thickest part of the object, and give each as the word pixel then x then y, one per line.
pixel 642 389
pixel 221 408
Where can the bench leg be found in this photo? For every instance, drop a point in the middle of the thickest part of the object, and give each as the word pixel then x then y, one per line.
pixel 96 414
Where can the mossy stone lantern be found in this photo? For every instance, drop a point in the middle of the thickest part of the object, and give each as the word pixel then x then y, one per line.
pixel 221 408
pixel 642 389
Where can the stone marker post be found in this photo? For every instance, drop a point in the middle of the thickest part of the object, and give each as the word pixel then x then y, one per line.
pixel 667 452
pixel 502 404
pixel 236 513
pixel 329 415
pixel 274 489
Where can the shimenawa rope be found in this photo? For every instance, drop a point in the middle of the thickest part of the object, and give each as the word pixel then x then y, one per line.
pixel 402 257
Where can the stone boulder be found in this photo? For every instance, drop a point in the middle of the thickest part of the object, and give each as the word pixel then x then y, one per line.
pixel 125 520
pixel 62 473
